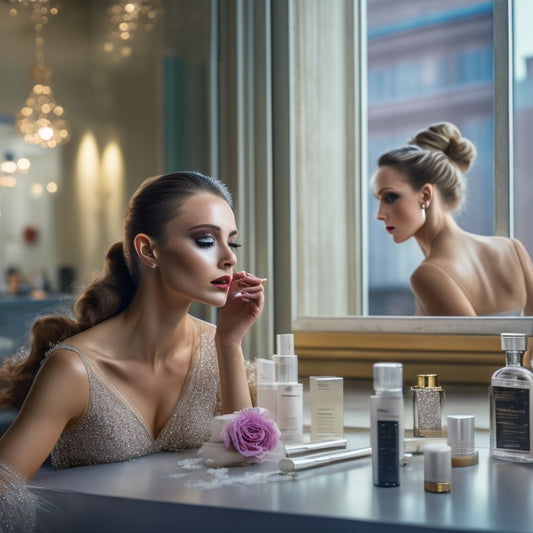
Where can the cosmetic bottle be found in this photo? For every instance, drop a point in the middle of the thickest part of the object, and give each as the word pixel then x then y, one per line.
pixel 327 408
pixel 511 420
pixel 386 424
pixel 289 393
pixel 266 386
pixel 428 405
pixel 461 436
pixel 437 468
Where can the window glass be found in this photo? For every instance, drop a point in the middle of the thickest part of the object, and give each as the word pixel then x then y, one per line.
pixel 523 120
pixel 428 62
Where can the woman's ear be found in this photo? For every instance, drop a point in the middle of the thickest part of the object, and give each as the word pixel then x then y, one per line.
pixel 145 250
pixel 426 195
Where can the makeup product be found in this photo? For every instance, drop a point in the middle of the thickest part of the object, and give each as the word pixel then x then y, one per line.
pixel 321 459
pixel 327 407
pixel 294 450
pixel 289 393
pixel 266 386
pixel 386 424
pixel 428 404
pixel 511 412
pixel 461 436
pixel 437 468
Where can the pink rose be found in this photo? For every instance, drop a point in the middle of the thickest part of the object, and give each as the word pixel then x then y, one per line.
pixel 252 434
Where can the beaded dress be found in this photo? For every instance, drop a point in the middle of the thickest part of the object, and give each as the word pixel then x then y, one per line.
pixel 112 430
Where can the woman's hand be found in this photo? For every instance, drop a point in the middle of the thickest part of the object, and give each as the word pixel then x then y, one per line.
pixel 243 306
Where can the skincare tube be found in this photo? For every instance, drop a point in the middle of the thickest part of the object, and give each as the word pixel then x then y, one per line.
pixel 321 459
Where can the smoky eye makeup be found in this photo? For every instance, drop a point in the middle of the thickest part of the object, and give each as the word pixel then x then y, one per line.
pixel 390 197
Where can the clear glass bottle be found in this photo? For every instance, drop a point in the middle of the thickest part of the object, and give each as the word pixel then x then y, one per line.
pixel 428 407
pixel 511 412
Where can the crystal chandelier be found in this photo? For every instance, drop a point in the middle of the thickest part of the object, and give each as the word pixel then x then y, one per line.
pixel 127 18
pixel 41 119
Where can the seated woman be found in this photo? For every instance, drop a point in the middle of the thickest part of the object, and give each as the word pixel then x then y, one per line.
pixel 134 373
pixel 419 186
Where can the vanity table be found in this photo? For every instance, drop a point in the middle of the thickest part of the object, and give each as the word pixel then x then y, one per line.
pixel 176 492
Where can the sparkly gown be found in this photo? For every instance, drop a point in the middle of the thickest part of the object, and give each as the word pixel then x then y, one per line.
pixel 112 430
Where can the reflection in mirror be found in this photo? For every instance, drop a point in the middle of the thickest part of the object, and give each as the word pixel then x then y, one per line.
pixel 426 63
pixel 132 110
pixel 419 186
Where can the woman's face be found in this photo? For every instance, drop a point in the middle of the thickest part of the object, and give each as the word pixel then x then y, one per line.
pixel 400 206
pixel 198 254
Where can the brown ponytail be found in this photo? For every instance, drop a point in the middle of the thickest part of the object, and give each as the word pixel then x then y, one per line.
pixel 105 297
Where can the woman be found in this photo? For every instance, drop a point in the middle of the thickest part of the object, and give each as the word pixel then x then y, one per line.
pixel 419 186
pixel 134 373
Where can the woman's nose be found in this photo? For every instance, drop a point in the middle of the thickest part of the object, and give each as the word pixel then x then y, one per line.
pixel 379 213
pixel 228 257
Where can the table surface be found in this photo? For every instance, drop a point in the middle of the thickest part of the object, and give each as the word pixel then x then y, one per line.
pixel 154 493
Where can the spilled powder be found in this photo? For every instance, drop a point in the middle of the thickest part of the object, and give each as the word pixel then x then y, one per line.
pixel 200 476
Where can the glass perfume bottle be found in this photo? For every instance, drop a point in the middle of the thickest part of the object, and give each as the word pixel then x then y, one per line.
pixel 511 413
pixel 428 407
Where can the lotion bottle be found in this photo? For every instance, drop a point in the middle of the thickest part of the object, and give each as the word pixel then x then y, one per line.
pixel 266 386
pixel 289 393
pixel 511 410
pixel 386 424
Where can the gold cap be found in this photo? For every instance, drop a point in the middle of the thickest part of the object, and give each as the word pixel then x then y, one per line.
pixel 427 380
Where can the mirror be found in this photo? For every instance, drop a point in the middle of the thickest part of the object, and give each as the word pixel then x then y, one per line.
pixel 425 63
pixel 133 109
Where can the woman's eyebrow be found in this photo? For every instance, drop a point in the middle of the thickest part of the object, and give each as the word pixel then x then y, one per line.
pixel 211 227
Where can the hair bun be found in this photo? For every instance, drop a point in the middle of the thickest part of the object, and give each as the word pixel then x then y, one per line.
pixel 445 137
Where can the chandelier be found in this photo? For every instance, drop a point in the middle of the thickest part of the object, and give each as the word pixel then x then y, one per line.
pixel 128 18
pixel 41 119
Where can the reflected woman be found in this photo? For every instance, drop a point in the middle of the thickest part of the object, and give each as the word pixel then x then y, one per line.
pixel 419 186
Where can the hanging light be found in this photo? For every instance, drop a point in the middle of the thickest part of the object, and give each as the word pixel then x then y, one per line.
pixel 128 18
pixel 41 119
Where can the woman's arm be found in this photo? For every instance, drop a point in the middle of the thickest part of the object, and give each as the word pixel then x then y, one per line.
pixel 56 401
pixel 244 305
pixel 437 293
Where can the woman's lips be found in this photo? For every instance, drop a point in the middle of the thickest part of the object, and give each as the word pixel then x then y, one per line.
pixel 390 229
pixel 222 283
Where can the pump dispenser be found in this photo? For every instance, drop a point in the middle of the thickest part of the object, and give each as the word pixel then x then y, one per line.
pixel 289 397
pixel 511 410
pixel 386 424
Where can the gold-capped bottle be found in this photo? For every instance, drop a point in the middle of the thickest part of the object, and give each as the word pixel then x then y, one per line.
pixel 428 407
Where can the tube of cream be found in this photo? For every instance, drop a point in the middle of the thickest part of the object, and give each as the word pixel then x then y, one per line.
pixel 293 450
pixel 320 459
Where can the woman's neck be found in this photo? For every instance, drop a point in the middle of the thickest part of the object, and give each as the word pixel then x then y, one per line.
pixel 439 223
pixel 156 328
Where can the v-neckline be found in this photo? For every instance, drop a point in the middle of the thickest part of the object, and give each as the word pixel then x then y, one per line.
pixel 126 402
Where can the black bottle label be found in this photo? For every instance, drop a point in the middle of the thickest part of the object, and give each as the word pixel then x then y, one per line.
pixel 511 413
pixel 388 453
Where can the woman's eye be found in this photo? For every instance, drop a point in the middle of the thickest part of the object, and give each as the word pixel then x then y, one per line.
pixel 390 198
pixel 234 245
pixel 204 242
